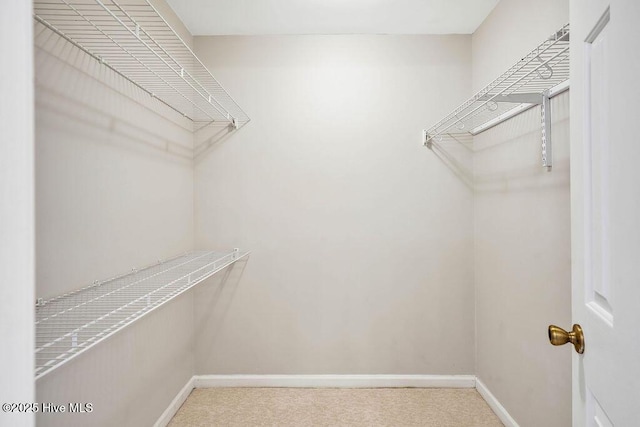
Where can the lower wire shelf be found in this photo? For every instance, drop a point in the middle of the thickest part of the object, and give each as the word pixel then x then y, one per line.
pixel 70 324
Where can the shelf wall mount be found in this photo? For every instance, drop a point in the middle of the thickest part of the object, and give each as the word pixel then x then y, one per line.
pixel 532 81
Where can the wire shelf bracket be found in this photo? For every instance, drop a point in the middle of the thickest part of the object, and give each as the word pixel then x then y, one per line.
pixel 532 81
pixel 131 38
pixel 69 325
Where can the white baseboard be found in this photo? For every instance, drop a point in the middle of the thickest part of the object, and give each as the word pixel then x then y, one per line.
pixel 336 381
pixel 495 405
pixel 175 404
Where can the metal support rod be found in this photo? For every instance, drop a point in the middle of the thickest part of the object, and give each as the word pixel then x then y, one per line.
pixel 545 115
pixel 526 98
pixel 503 117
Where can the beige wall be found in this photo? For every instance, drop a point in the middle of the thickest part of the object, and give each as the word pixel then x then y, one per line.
pixel 365 245
pixel 114 190
pixel 512 30
pixel 361 239
pixel 522 231
pixel 163 8
pixel 132 377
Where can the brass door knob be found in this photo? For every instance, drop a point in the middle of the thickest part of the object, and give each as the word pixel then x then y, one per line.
pixel 558 336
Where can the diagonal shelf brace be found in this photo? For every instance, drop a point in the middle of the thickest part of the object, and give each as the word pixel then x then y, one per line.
pixel 528 100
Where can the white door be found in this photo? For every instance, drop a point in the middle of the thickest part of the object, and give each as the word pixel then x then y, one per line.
pixel 605 210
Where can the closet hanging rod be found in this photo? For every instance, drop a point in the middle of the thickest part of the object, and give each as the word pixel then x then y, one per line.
pixel 539 75
pixel 504 97
pixel 534 100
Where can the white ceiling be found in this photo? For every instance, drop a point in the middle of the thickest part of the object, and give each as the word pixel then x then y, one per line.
pixel 254 17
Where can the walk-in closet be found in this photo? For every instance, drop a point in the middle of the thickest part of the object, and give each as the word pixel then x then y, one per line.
pixel 288 212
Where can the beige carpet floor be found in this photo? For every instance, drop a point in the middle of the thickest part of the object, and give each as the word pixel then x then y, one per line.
pixel 335 407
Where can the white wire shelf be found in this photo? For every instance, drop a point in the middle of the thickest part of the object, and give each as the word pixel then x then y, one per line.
pixel 68 325
pixel 538 76
pixel 130 37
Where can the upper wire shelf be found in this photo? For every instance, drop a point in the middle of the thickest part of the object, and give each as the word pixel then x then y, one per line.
pixel 68 325
pixel 130 37
pixel 541 73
